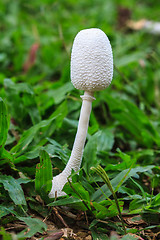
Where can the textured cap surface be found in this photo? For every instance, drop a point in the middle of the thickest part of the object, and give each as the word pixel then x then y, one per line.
pixel 91 60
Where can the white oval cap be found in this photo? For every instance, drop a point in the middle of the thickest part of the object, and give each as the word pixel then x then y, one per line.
pixel 91 60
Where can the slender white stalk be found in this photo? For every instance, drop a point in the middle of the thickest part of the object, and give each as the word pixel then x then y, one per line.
pixel 75 160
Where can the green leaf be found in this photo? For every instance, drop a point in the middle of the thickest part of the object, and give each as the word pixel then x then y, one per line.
pixel 98 236
pixel 90 152
pixel 21 100
pixel 43 179
pixel 102 173
pixel 59 93
pixel 134 120
pixel 61 113
pixel 5 235
pixel 98 196
pixel 82 193
pixel 3 123
pixel 137 204
pixel 5 157
pixel 34 225
pixel 4 210
pixel 28 136
pixel 130 58
pixel 14 189
pixel 101 211
pixel 105 140
pixel 129 237
pixel 18 87
pixel 31 107
pixel 113 211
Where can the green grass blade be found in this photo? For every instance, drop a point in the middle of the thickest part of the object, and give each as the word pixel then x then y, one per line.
pixel 3 123
pixel 43 178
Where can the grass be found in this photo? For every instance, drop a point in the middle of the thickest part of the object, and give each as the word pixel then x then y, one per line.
pixel 39 110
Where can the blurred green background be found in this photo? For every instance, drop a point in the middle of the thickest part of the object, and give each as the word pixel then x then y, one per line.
pixel 50 26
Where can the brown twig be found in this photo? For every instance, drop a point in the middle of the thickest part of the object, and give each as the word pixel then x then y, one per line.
pixel 60 217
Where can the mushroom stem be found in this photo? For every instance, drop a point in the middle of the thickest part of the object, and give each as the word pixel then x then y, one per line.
pixel 75 160
pixel 77 151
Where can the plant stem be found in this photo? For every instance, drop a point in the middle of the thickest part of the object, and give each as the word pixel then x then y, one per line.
pixel 101 172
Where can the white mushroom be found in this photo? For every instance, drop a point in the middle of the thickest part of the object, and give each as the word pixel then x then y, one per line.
pixel 91 70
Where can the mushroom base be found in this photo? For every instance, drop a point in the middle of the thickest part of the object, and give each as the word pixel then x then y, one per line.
pixel 58 183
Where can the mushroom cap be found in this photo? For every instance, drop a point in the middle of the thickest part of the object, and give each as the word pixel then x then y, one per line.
pixel 91 60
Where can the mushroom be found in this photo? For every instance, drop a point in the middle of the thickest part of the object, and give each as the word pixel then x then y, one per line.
pixel 91 70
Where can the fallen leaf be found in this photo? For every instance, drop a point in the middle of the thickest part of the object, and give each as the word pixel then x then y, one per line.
pixel 55 235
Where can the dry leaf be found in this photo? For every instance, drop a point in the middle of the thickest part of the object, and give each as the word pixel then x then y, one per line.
pixel 136 25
